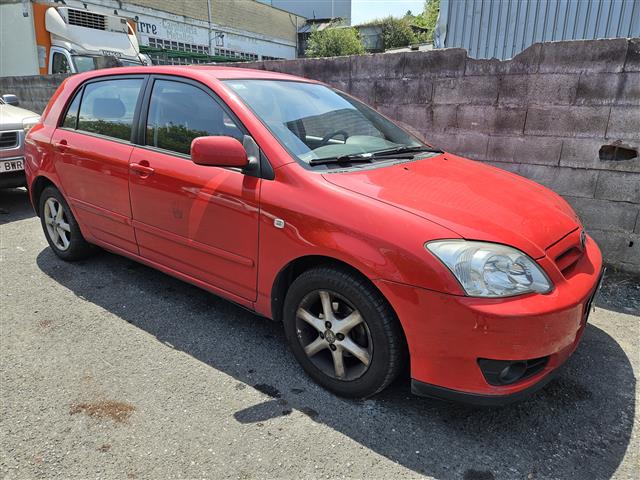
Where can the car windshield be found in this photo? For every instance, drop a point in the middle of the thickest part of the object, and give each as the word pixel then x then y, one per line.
pixel 84 63
pixel 314 122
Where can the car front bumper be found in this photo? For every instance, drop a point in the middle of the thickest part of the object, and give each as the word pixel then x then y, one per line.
pixel 448 334
pixel 14 153
pixel 13 179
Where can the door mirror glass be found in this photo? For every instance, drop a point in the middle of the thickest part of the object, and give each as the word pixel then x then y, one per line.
pixel 10 99
pixel 218 151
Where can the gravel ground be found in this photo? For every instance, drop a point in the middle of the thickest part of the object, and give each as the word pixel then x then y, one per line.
pixel 109 369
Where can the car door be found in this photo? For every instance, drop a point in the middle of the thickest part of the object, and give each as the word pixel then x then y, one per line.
pixel 92 149
pixel 201 221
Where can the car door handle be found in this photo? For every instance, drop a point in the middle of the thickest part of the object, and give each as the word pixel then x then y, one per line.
pixel 143 169
pixel 61 146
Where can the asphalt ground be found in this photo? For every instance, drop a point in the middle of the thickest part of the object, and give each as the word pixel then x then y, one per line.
pixel 109 369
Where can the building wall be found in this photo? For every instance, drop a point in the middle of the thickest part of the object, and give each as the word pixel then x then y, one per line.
pixel 544 114
pixel 316 8
pixel 501 29
pixel 245 15
pixel 239 28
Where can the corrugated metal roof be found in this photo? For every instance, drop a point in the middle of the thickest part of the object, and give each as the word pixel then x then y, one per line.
pixel 503 28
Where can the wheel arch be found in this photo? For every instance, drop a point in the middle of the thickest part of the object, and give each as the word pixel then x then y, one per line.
pixel 297 266
pixel 37 187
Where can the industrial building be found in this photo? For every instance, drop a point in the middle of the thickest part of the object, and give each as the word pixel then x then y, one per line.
pixel 184 31
pixel 505 28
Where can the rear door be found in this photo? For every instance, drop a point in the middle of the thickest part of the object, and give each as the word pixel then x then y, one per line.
pixel 199 220
pixel 92 149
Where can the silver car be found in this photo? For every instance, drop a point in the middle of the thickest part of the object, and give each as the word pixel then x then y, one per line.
pixel 14 123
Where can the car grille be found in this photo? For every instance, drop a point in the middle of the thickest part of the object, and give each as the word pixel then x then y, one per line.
pixel 567 252
pixel 8 139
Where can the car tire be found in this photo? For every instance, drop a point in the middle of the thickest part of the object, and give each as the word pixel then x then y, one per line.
pixel 373 351
pixel 61 228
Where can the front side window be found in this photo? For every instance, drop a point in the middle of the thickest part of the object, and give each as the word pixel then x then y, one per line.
pixel 60 63
pixel 108 107
pixel 179 112
pixel 314 122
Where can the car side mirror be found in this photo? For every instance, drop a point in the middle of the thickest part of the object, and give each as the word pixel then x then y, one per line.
pixel 10 99
pixel 218 151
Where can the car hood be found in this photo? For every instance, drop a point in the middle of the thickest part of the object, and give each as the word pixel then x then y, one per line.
pixel 11 117
pixel 474 200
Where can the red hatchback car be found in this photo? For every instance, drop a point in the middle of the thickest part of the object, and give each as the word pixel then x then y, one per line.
pixel 305 205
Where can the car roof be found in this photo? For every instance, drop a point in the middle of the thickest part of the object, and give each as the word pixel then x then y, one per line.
pixel 212 71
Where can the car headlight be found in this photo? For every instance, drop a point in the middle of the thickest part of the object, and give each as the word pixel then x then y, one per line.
pixel 29 122
pixel 490 269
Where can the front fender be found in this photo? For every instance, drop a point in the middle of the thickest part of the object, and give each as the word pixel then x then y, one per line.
pixel 378 240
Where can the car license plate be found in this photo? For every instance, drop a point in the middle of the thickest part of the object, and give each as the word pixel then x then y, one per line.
pixel 12 165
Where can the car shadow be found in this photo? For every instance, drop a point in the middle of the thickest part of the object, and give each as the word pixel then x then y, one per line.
pixel 14 205
pixel 577 427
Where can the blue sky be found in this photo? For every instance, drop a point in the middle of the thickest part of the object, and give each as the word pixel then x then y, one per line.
pixel 365 10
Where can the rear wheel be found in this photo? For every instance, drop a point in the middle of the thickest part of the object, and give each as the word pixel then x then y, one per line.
pixel 343 332
pixel 60 227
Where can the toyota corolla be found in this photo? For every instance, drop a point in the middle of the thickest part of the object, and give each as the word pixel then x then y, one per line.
pixel 374 249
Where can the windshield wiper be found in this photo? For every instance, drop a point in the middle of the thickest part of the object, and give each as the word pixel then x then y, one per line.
pixel 341 159
pixel 396 152
pixel 404 150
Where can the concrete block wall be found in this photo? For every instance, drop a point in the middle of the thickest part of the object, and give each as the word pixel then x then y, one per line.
pixel 543 114
pixel 33 92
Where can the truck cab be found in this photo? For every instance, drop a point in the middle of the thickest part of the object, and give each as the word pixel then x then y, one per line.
pixel 41 37
pixel 83 40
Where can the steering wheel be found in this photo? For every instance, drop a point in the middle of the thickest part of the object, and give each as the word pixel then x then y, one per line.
pixel 329 136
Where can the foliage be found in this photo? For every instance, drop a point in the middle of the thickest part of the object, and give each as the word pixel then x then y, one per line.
pixel 396 32
pixel 429 18
pixel 333 42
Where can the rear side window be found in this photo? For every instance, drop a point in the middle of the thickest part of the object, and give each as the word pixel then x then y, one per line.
pixel 179 112
pixel 108 107
pixel 71 118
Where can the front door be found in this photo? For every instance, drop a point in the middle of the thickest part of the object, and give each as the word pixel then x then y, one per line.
pixel 200 221
pixel 92 148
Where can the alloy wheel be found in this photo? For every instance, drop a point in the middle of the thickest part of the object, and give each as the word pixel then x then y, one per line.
pixel 334 335
pixel 55 218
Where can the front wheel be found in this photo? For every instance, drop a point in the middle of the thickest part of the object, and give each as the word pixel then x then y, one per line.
pixel 61 228
pixel 343 332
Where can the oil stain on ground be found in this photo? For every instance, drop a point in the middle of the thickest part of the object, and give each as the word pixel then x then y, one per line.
pixel 119 412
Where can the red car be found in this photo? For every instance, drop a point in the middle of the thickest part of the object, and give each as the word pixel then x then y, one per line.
pixel 303 204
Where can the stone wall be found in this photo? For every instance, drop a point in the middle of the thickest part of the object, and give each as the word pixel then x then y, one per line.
pixel 545 114
pixel 33 92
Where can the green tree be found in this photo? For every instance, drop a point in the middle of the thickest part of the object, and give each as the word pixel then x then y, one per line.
pixel 396 32
pixel 334 42
pixel 429 17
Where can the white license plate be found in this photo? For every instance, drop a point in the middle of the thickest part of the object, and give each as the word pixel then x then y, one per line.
pixel 12 165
